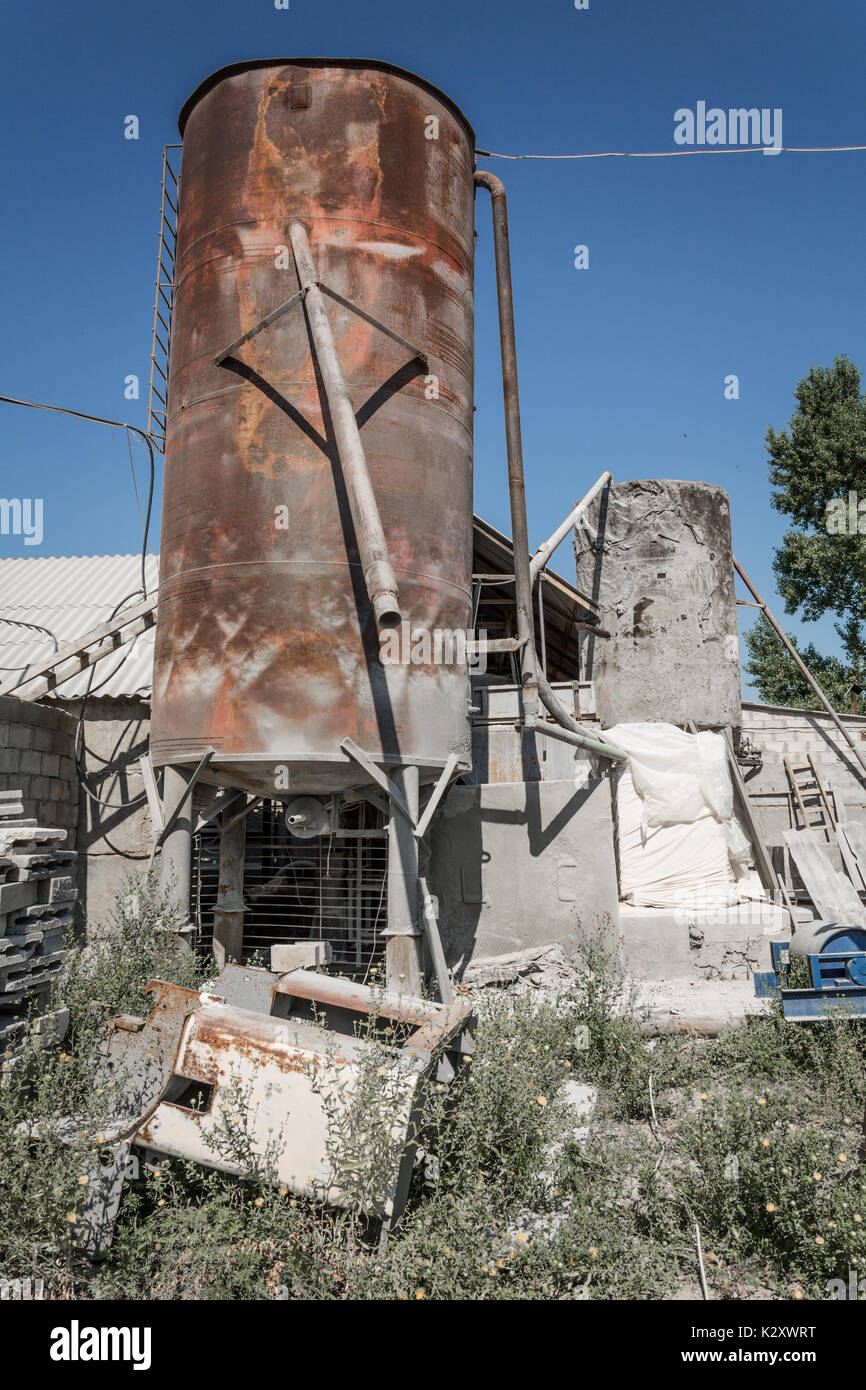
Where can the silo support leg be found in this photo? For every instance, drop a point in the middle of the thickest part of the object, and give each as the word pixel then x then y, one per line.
pixel 175 868
pixel 228 918
pixel 403 953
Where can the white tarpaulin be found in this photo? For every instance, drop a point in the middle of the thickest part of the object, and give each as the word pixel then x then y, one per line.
pixel 677 839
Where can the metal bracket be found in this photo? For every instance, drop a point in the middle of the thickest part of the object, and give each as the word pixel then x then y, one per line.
pixel 178 810
pixel 351 750
pixel 377 323
pixel 445 778
pixel 153 801
pixel 242 814
pixel 217 806
pixel 495 644
pixel 263 323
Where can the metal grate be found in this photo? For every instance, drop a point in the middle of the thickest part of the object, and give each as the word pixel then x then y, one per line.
pixel 332 887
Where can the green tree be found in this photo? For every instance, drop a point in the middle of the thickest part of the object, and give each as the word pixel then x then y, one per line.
pixel 816 464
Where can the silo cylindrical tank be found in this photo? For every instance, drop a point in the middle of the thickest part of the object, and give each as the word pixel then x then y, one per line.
pixel 267 649
pixel 661 570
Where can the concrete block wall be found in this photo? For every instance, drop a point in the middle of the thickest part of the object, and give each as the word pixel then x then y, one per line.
pixel 776 733
pixel 37 898
pixel 36 759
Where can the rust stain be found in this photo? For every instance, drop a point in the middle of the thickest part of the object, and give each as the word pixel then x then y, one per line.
pixel 265 643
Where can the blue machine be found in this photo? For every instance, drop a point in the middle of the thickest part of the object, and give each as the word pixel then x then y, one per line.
pixel 836 959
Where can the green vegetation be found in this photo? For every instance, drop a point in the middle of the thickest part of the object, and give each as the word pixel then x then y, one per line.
pixel 818 472
pixel 753 1136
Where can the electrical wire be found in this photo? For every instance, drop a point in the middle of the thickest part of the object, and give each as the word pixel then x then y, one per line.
pixel 78 745
pixel 35 627
pixel 676 154
pixel 115 424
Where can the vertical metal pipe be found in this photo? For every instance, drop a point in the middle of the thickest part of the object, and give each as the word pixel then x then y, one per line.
pixel 403 961
pixel 372 547
pixel 534 683
pixel 513 440
pixel 175 860
pixel 228 917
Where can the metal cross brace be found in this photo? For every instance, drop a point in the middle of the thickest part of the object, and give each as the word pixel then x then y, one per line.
pixel 297 299
pixel 421 826
pixel 178 810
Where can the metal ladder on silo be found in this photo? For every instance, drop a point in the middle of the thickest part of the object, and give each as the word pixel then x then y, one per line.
pixel 163 301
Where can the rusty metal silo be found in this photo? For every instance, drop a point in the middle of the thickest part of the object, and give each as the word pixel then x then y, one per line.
pixel 267 646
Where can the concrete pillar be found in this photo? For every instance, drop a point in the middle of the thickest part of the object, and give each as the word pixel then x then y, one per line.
pixel 661 571
pixel 228 917
pixel 403 957
pixel 175 860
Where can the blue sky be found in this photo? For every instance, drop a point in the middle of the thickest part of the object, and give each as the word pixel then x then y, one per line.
pixel 699 267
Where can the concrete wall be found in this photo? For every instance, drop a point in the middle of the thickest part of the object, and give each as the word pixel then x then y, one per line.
pixel 516 865
pixel 661 571
pixel 501 753
pixel 36 758
pixel 36 755
pixel 113 840
pixel 774 733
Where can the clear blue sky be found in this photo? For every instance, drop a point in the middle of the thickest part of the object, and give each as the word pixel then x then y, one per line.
pixel 699 267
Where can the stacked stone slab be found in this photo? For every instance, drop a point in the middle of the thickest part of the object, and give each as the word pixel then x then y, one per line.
pixel 37 898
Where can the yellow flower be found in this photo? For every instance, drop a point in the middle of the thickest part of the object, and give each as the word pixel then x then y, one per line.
pixel 161 1202
pixel 843 1158
pixel 72 1216
pixel 771 1206
pixel 816 1177
pixel 283 1191
pixel 260 1201
pixel 419 1293
pixel 766 1143
pixel 568 1064
pixel 703 1095
pixel 762 1101
pixel 541 1100
pixel 593 1252
pixel 858 1217
pixel 819 1240
pixel 83 1181
pixel 521 1237
pixel 798 1293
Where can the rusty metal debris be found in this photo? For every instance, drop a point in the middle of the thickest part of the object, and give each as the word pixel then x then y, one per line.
pixel 267 1072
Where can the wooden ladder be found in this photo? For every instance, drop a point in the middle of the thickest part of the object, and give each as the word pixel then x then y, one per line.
pixel 84 651
pixel 809 788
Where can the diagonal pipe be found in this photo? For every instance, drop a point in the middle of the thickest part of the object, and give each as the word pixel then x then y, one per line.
pixel 372 547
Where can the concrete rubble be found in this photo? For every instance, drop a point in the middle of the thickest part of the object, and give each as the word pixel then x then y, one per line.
pixel 37 899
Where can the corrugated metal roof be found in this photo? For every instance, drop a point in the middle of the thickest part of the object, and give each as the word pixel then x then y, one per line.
pixel 69 595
